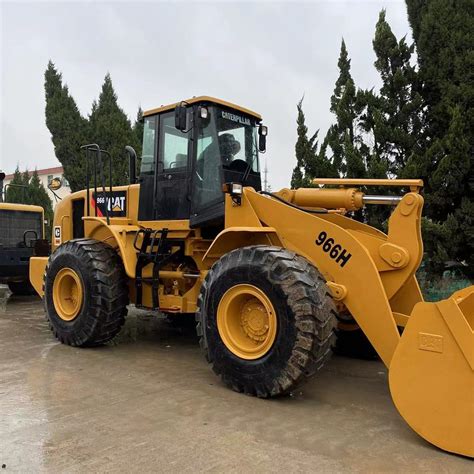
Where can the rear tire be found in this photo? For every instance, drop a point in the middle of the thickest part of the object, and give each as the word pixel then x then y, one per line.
pixel 95 272
pixel 21 288
pixel 304 311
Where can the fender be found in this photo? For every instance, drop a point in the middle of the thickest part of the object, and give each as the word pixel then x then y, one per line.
pixel 237 237
pixel 36 273
pixel 118 236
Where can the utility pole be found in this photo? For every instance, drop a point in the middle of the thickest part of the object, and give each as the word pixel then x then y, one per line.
pixel 266 186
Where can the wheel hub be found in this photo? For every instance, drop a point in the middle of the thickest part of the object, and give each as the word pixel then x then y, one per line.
pixel 246 321
pixel 67 294
pixel 254 320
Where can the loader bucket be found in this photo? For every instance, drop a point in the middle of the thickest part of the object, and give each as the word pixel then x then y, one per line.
pixel 432 372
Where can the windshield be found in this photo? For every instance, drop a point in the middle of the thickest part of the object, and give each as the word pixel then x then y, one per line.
pixel 230 137
pixel 226 147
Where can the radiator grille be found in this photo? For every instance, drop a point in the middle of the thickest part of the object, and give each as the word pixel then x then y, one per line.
pixel 14 223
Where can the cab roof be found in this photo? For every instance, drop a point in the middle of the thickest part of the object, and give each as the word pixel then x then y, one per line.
pixel 203 98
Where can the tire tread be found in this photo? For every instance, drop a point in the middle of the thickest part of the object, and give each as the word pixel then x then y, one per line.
pixel 312 306
pixel 108 303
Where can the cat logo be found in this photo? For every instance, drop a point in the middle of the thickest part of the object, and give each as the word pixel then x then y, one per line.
pixel 117 203
pixel 114 204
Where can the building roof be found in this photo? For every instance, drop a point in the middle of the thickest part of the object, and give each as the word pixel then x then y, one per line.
pixel 203 98
pixel 55 170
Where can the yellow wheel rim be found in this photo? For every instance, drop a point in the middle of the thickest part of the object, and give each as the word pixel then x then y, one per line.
pixel 246 321
pixel 67 294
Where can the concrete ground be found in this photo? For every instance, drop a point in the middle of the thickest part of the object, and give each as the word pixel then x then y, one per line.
pixel 150 403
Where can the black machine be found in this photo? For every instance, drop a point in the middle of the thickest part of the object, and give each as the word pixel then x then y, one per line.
pixel 21 237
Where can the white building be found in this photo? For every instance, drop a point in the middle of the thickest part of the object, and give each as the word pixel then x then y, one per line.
pixel 45 176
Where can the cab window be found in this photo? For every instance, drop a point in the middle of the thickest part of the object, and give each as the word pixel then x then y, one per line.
pixel 174 146
pixel 148 147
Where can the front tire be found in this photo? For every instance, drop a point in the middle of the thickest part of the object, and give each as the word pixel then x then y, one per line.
pixel 85 293
pixel 265 320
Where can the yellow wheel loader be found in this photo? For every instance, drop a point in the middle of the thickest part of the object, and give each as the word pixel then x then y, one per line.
pixel 272 278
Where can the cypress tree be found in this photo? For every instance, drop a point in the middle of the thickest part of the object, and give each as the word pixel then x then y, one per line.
pixel 68 128
pixel 107 125
pixel 390 118
pixel 420 124
pixel 17 190
pixel 25 178
pixel 397 124
pixel 138 131
pixel 414 8
pixel 304 151
pixel 342 137
pixel 310 163
pixel 112 130
pixel 443 34
pixel 39 197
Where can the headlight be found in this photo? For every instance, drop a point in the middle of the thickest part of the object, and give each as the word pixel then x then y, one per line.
pixel 203 112
pixel 236 188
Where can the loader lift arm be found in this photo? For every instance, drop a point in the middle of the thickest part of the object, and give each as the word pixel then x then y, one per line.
pixel 431 365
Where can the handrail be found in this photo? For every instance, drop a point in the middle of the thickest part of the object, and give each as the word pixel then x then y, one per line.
pixel 97 154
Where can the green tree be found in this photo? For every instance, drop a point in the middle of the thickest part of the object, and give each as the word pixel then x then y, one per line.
pixel 67 127
pixel 304 151
pixel 110 128
pixel 419 125
pixel 17 189
pixel 343 137
pixel 26 182
pixel 107 125
pixel 138 129
pixel 310 162
pixel 391 117
pixel 344 140
pixel 444 38
pixel 340 152
pixel 39 197
pixel 396 115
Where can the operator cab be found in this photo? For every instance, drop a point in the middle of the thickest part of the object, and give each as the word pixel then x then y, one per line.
pixel 189 151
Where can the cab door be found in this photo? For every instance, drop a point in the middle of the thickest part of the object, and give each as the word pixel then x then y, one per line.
pixel 172 184
pixel 147 178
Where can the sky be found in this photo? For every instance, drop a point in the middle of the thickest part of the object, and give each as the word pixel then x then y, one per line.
pixel 262 55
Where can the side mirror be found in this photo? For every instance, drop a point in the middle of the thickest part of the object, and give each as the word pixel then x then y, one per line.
pixel 55 184
pixel 180 117
pixel 132 164
pixel 262 138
